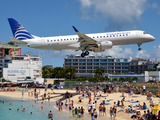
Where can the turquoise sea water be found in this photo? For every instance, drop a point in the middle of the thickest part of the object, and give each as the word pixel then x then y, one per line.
pixel 37 114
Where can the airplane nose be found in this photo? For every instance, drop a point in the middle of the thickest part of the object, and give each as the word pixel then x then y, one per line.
pixel 152 38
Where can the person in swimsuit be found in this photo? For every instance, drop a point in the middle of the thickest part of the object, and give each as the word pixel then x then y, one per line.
pixel 42 105
pixel 111 112
pixel 82 112
pixel 66 104
pixel 100 110
pixel 50 115
pixel 95 114
pixel 48 98
pixel 79 112
pixel 73 111
pixel 70 108
pixel 104 110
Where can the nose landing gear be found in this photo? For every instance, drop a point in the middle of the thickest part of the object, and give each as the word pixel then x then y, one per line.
pixel 139 44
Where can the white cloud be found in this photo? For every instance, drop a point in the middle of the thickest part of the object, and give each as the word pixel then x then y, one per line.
pixel 150 55
pixel 117 51
pixel 117 13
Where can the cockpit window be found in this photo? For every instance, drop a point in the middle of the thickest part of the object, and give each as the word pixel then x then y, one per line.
pixel 145 33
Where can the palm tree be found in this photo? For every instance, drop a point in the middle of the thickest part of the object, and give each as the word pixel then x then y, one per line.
pixel 45 72
pixel 71 71
pixel 57 72
pixel 99 71
pixel 135 78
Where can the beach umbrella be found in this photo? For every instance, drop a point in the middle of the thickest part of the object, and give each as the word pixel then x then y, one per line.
pixel 133 116
pixel 154 109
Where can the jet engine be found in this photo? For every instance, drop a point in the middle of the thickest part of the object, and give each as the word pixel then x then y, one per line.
pixel 105 45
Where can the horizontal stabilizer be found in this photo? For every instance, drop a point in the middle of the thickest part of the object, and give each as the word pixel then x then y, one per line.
pixel 16 40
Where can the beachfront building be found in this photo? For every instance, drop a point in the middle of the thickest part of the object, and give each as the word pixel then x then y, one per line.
pixel 23 68
pixel 7 50
pixel 140 65
pixel 89 64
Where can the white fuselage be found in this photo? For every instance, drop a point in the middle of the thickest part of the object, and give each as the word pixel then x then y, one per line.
pixel 71 42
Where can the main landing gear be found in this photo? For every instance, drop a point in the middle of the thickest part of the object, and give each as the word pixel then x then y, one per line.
pixel 139 44
pixel 84 53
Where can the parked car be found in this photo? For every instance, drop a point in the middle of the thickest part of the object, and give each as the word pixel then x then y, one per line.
pixel 50 85
pixel 58 86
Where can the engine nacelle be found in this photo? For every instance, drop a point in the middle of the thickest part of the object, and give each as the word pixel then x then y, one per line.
pixel 105 45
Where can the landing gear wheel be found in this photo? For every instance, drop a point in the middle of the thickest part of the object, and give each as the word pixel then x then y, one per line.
pixel 83 55
pixel 139 49
pixel 87 53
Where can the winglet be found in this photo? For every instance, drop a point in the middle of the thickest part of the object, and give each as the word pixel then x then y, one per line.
pixel 75 29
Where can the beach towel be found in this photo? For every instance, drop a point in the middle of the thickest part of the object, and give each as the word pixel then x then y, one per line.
pixel 134 102
pixel 107 104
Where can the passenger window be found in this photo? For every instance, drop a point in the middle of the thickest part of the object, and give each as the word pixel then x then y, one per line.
pixel 54 40
pixel 51 40
pixel 58 40
pixel 123 34
pixel 93 37
pixel 67 39
pixel 97 36
pixel 71 39
pixel 110 35
pixel 113 35
pixel 126 34
pixel 104 36
pixel 100 36
pixel 47 40
pixel 64 39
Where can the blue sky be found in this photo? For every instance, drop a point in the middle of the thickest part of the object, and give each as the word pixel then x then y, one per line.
pixel 56 17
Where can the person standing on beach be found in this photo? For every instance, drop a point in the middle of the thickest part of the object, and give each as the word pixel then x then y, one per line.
pixel 66 104
pixel 82 112
pixel 22 94
pixel 76 110
pixel 144 89
pixel 104 110
pixel 111 112
pixel 73 112
pixel 95 114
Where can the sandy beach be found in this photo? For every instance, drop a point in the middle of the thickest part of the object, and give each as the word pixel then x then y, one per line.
pixel 115 97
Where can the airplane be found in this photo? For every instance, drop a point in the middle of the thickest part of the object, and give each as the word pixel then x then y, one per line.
pixel 96 42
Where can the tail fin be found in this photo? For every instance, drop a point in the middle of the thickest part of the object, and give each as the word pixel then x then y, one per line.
pixel 19 32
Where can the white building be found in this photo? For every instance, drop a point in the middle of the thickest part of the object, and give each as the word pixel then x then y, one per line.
pixel 23 69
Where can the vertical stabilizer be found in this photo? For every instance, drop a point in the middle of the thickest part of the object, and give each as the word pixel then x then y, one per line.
pixel 19 32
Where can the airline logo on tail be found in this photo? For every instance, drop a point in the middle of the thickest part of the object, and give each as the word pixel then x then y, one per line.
pixel 19 32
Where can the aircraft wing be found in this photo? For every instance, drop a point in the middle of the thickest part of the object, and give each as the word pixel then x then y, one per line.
pixel 84 39
pixel 17 41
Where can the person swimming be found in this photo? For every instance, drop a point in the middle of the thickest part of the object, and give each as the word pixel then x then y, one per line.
pixel 31 113
pixel 17 109
pixel 23 110
pixel 50 115
pixel 10 108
